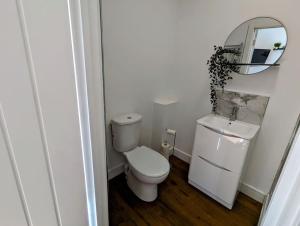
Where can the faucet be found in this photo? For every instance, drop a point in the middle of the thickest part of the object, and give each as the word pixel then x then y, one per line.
pixel 233 115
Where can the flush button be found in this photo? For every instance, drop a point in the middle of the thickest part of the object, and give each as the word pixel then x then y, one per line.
pixel 129 117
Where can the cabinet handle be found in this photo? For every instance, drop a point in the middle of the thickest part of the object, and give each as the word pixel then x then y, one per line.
pixel 214 164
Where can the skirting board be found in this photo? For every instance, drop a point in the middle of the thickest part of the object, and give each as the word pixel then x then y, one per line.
pixel 247 189
pixel 182 155
pixel 115 171
pixel 252 192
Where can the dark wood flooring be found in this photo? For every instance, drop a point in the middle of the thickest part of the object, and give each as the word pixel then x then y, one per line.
pixel 178 204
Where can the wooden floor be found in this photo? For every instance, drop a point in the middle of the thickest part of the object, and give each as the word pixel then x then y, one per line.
pixel 178 204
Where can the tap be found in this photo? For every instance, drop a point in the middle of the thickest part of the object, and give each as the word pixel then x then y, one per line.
pixel 233 115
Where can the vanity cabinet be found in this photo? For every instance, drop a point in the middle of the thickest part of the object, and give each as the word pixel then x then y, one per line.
pixel 217 163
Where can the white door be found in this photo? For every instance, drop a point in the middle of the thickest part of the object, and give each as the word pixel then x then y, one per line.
pixel 41 157
pixel 284 206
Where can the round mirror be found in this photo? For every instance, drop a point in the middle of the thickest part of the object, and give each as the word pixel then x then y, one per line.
pixel 260 42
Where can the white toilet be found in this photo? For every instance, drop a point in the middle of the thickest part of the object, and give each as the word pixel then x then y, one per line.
pixel 146 168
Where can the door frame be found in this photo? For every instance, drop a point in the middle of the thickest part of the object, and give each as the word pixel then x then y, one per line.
pixel 87 45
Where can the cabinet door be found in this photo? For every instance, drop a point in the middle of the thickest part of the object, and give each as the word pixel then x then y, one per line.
pixel 217 163
pixel 225 151
pixel 213 180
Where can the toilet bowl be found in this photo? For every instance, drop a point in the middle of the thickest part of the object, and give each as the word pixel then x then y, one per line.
pixel 146 168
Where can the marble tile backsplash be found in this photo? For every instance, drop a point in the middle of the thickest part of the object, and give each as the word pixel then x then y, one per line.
pixel 251 107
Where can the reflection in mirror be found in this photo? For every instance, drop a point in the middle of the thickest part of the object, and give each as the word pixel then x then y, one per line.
pixel 261 42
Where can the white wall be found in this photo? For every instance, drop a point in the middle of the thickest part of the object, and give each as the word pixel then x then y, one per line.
pixel 138 52
pixel 139 47
pixel 204 23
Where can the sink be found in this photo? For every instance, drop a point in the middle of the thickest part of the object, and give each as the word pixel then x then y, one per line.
pixel 224 126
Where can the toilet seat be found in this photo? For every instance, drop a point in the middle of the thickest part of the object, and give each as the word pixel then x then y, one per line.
pixel 147 164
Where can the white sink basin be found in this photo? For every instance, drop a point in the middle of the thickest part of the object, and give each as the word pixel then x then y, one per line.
pixel 231 128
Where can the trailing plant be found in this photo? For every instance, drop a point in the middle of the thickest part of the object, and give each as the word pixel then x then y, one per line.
pixel 220 69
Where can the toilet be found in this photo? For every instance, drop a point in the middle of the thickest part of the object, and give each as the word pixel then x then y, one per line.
pixel 145 168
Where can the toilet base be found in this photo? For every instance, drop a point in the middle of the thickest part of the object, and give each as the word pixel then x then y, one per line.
pixel 146 192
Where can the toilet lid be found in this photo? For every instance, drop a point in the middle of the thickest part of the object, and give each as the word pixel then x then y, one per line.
pixel 148 162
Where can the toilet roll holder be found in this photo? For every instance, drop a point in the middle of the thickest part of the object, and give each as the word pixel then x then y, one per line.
pixel 169 135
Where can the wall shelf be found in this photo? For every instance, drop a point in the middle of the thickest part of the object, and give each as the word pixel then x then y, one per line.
pixel 253 64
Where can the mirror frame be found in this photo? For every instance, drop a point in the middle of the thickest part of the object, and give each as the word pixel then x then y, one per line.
pixel 276 62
